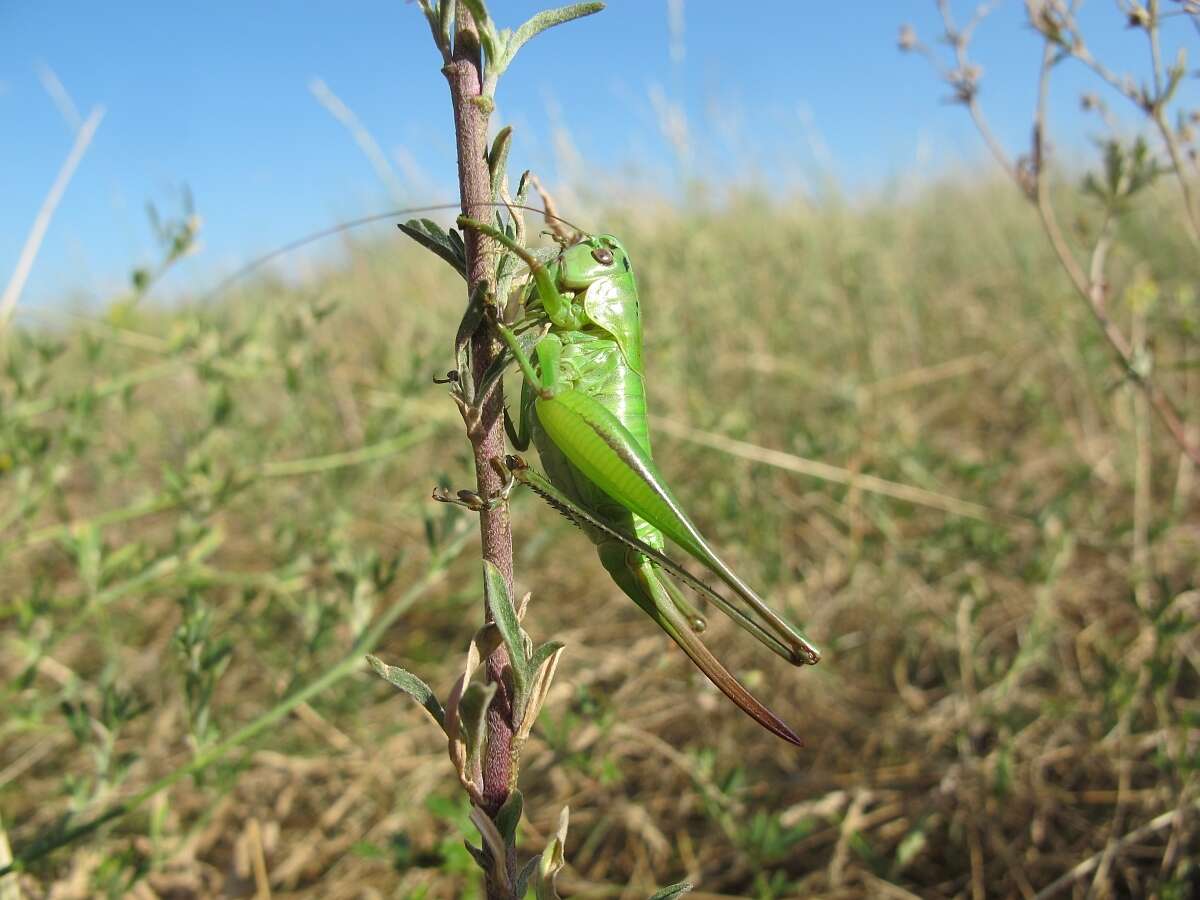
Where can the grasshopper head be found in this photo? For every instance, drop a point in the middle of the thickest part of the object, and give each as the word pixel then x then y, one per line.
pixel 593 258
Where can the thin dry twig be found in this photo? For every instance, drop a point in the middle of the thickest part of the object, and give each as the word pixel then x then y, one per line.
pixel 262 882
pixel 873 484
pixel 53 86
pixel 1092 289
pixel 1084 868
pixel 16 283
pixel 365 140
pixel 1055 22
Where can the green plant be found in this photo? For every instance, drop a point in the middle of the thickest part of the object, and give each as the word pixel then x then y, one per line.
pixel 905 423
pixel 1128 167
pixel 1140 313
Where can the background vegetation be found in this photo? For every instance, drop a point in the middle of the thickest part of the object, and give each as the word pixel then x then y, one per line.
pixel 205 507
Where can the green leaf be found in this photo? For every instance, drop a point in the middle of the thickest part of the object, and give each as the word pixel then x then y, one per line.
pixel 504 614
pixel 540 22
pixel 456 243
pixel 496 851
pixel 487 40
pixel 486 28
pixel 472 709
pixel 439 16
pixel 508 817
pixel 471 318
pixel 497 159
pixel 431 236
pixel 674 890
pixel 411 685
pixel 543 653
pixel 527 870
pixel 528 340
pixel 481 859
pixel 445 22
pixel 478 11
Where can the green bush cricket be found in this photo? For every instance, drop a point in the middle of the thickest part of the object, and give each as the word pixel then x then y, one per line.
pixel 583 405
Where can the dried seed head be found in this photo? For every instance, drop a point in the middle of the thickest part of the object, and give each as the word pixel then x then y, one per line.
pixel 1138 17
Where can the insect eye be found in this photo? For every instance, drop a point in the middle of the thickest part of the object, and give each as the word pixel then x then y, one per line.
pixel 603 256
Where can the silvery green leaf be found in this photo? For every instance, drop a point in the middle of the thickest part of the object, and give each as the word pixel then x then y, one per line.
pixel 541 21
pixel 411 685
pixel 504 614
pixel 430 235
pixel 471 318
pixel 481 859
pixel 524 875
pixel 494 843
pixel 472 710
pixel 485 28
pixel 543 653
pixel 509 817
pixel 498 157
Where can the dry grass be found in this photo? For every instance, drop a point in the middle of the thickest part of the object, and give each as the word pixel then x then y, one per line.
pixel 996 712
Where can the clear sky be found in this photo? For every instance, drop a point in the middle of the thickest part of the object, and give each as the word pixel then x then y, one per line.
pixel 216 96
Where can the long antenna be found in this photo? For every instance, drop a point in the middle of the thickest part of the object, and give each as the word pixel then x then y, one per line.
pixel 260 261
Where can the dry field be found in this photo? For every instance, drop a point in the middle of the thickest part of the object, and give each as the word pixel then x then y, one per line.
pixel 895 417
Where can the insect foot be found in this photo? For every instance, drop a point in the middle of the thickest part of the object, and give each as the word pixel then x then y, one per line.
pixel 469 499
pixel 502 469
pixel 473 500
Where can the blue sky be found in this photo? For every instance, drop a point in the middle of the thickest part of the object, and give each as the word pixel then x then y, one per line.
pixel 216 96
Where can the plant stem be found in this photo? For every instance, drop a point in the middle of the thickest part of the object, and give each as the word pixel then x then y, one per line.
pixel 1030 176
pixel 465 76
pixel 1090 289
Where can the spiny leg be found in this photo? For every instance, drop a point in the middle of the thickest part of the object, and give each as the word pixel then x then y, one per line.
pixel 599 444
pixel 586 519
pixel 562 312
pixel 694 617
pixel 633 561
pixel 542 379
pixel 643 584
pixel 475 501
pixel 520 435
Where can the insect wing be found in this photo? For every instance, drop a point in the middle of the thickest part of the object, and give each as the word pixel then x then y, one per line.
pixel 596 442
pixel 612 303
